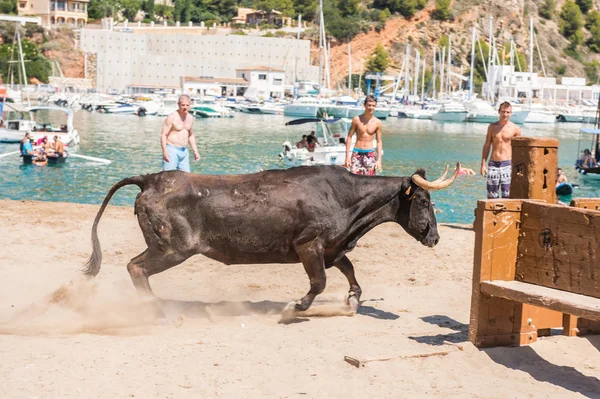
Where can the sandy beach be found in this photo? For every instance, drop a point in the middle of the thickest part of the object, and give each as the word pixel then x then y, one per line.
pixel 64 336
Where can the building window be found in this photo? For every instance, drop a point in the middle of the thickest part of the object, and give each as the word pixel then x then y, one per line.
pixel 278 82
pixel 22 5
pixel 262 76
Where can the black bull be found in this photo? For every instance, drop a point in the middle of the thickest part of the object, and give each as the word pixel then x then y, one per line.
pixel 312 215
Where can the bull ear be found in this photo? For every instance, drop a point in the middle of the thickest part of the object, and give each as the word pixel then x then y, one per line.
pixel 420 172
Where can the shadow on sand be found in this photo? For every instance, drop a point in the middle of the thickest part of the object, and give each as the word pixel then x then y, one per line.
pixel 460 335
pixel 198 309
pixel 524 358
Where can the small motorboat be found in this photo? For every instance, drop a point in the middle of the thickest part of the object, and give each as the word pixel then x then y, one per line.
pixel 53 159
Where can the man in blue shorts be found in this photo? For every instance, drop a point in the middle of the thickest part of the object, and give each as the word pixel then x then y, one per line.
pixel 499 167
pixel 176 134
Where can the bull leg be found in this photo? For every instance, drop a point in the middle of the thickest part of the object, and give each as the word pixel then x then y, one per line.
pixel 148 263
pixel 314 265
pixel 346 267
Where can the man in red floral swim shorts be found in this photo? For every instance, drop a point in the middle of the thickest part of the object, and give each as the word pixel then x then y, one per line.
pixel 362 159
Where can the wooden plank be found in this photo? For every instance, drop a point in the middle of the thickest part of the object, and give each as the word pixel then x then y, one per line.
pixel 566 302
pixel 559 247
pixel 496 235
pixel 586 203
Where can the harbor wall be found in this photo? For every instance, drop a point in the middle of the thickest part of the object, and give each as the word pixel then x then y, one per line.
pixel 126 58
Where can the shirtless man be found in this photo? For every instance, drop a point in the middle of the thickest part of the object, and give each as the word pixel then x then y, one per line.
pixel 499 168
pixel 59 147
pixel 361 160
pixel 175 135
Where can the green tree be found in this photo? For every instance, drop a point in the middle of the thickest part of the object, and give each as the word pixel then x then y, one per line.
pixel 379 60
pixel 186 13
pixel 591 70
pixel 348 7
pixel 8 7
pixel 177 10
pixel 442 10
pixel 129 8
pixel 308 9
pixel 37 66
pixel 593 18
pixel 547 9
pixel 150 9
pixel 406 8
pixel 284 6
pixel 571 19
pixel 585 5
pixel 339 27
pixel 593 26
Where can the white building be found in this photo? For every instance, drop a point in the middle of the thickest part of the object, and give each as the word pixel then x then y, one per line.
pixel 209 86
pixel 264 82
pixel 136 59
pixel 508 83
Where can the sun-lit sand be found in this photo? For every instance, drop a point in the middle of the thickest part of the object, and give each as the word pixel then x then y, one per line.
pixel 62 335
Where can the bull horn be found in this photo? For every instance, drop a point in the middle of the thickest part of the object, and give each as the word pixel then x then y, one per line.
pixel 435 185
pixel 442 177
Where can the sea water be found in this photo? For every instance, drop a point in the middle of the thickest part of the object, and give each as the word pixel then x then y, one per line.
pixel 251 143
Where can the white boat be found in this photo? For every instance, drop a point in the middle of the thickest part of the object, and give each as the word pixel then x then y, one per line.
pixel 451 112
pixel 43 122
pixel 425 112
pixel 590 140
pixel 341 106
pixel 207 107
pixel 578 115
pixel 331 149
pixel 481 111
pixel 121 108
pixel 147 108
pixel 168 106
pixel 307 107
pixel 15 129
pixel 261 109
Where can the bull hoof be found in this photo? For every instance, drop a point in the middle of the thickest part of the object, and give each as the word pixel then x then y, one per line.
pixel 352 302
pixel 288 313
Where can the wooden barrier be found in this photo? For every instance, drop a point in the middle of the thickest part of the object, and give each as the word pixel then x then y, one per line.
pixel 534 164
pixel 584 326
pixel 531 253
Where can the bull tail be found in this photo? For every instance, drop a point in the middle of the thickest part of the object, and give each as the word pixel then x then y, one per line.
pixel 92 267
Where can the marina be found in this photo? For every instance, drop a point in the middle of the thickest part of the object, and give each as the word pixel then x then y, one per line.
pixel 251 143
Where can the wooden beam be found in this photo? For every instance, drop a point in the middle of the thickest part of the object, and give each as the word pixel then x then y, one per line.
pixel 550 298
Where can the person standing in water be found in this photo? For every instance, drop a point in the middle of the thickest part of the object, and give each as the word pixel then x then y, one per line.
pixel 499 167
pixel 362 159
pixel 176 134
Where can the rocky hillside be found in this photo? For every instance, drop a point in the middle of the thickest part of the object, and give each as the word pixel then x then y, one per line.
pixel 511 19
pixel 61 47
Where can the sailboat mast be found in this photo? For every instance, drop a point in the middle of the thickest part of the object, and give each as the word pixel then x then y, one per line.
pixel 472 64
pixel 349 67
pixel 530 61
pixel 434 71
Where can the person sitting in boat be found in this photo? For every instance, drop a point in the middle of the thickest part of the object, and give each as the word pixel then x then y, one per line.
pixel 40 160
pixel 59 147
pixel 586 160
pixel 27 146
pixel 302 143
pixel 312 143
pixel 46 147
pixel 560 177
